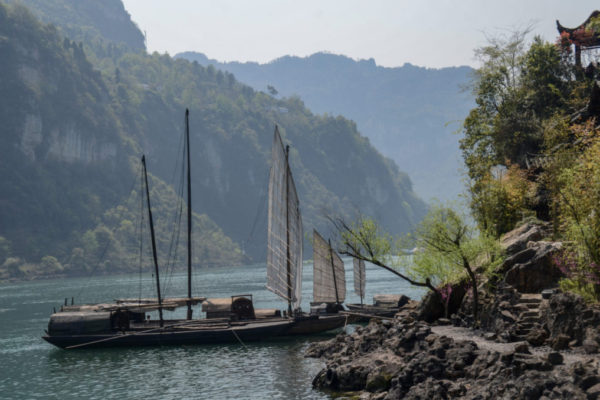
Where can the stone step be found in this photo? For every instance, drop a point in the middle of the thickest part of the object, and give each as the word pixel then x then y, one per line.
pixel 530 313
pixel 526 325
pixel 530 300
pixel 532 306
pixel 529 319
pixel 529 296
pixel 519 338
pixel 521 308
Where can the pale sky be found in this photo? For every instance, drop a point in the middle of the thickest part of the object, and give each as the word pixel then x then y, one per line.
pixel 429 33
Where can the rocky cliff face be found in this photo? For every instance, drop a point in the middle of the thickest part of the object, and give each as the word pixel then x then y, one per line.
pixel 70 144
pixel 65 143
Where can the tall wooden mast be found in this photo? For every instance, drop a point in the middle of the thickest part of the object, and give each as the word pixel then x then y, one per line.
pixel 287 228
pixel 160 314
pixel 189 215
pixel 337 296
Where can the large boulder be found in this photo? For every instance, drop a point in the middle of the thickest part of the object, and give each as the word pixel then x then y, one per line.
pixel 516 240
pixel 432 306
pixel 535 270
pixel 568 318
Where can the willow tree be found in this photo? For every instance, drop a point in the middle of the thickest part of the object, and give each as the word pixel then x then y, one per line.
pixel 447 250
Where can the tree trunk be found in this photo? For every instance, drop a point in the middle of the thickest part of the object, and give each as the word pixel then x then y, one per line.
pixel 475 293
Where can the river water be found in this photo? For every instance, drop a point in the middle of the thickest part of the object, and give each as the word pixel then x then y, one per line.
pixel 31 368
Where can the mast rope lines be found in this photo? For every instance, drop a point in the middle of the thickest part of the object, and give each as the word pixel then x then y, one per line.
pixel 238 338
pixel 191 323
pixel 107 244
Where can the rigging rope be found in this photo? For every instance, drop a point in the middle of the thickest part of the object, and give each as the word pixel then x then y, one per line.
pixel 107 244
pixel 176 232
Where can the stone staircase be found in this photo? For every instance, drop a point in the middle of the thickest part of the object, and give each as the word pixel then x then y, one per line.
pixel 529 315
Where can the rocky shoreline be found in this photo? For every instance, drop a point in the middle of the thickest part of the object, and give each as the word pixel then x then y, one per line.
pixel 532 341
pixel 406 359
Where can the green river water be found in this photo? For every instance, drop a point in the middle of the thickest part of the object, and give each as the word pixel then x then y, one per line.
pixel 33 369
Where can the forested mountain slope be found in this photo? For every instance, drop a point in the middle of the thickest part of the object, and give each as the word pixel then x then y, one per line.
pixel 86 138
pixel 93 22
pixel 336 169
pixel 67 162
pixel 409 113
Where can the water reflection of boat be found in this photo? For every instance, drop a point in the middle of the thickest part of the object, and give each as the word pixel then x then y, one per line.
pixel 126 322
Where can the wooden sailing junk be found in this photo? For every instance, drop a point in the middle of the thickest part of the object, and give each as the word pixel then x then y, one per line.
pixel 284 250
pixel 383 305
pixel 284 238
pixel 329 275
pixel 124 322
pixel 359 278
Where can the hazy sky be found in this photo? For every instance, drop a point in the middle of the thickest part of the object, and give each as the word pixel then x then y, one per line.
pixel 423 32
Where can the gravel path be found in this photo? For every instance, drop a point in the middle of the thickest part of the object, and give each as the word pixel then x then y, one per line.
pixel 460 333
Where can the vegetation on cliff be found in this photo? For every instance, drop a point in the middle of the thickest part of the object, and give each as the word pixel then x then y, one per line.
pixel 67 162
pixel 448 255
pixel 531 148
pixel 101 24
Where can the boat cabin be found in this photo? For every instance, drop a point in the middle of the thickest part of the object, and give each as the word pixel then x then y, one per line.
pixel 234 307
pixel 325 307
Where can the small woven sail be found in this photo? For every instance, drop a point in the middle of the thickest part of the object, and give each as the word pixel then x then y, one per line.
pixel 329 276
pixel 284 253
pixel 359 277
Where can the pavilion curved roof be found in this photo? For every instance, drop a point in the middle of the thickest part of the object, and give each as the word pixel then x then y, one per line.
pixel 586 35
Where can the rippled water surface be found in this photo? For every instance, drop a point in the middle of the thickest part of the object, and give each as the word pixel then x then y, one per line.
pixel 31 368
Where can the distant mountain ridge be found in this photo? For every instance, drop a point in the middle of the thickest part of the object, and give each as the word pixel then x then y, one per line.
pixel 409 113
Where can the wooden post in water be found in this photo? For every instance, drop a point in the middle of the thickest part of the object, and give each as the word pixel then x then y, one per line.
pixel 160 314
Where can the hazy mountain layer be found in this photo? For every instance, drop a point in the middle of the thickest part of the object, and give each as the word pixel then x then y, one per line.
pixel 409 113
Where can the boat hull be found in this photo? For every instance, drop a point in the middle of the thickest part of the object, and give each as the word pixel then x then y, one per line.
pixel 369 311
pixel 311 324
pixel 234 334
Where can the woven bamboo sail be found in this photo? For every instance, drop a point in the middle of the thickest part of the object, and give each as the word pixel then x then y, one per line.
pixel 284 254
pixel 329 276
pixel 359 278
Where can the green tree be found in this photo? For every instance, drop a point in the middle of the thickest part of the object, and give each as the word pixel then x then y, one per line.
pixel 578 204
pixel 448 250
pixel 50 265
pixel 516 89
